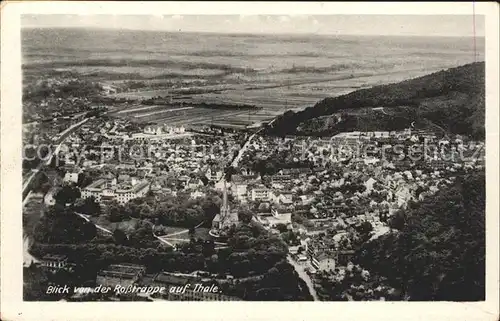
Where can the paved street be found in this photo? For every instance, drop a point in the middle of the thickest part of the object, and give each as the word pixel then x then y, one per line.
pixel 304 276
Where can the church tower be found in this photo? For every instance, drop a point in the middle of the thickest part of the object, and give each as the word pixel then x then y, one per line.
pixel 225 218
pixel 224 209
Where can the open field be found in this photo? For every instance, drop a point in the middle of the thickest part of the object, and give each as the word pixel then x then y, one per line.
pixel 141 109
pixel 171 230
pixel 144 71
pixel 181 238
pixel 126 226
pixel 187 115
pixel 274 97
pixel 151 113
pixel 277 73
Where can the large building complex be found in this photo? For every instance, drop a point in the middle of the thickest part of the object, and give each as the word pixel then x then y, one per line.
pixel 105 190
pixel 124 274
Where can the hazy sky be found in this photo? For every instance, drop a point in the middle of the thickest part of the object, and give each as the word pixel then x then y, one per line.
pixel 419 25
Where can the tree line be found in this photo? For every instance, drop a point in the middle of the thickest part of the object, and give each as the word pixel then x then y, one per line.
pixel 437 249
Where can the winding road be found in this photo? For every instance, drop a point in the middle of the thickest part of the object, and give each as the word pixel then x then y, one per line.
pixel 63 136
pixel 304 276
pixel 245 146
pixel 235 161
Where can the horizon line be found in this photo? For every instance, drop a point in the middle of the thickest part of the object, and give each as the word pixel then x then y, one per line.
pixel 247 33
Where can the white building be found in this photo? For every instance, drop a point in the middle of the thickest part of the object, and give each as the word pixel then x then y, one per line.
pixel 280 217
pixel 285 199
pixel 71 177
pixel 369 184
pixel 153 130
pixel 103 190
pixel 260 193
pixel 214 175
pixel 239 190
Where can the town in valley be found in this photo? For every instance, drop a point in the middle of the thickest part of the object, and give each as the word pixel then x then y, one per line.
pixel 139 183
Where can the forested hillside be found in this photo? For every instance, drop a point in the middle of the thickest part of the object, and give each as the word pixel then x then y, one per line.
pixel 451 99
pixel 438 252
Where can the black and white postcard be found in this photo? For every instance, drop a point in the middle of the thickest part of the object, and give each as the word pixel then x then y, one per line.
pixel 314 154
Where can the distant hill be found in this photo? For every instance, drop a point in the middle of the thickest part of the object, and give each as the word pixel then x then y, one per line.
pixel 449 100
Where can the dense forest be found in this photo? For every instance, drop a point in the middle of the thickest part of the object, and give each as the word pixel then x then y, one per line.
pixel 60 225
pixel 451 99
pixel 437 248
pixel 256 258
pixel 73 88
